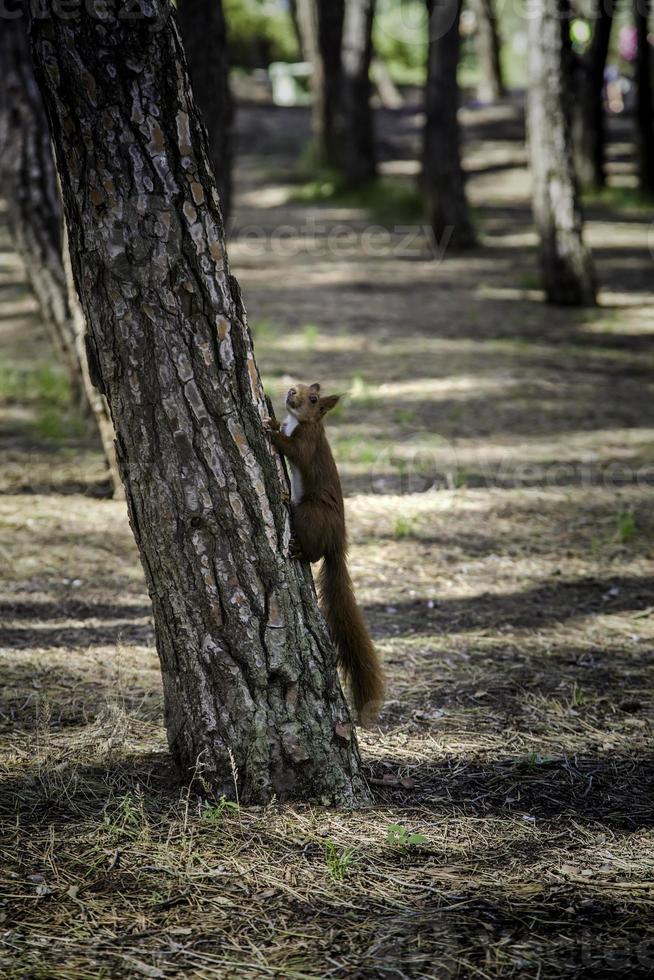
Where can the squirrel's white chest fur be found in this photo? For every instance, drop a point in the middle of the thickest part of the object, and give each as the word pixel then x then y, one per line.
pixel 297 490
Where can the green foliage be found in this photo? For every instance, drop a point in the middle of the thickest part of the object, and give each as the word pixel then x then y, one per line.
pixel 403 528
pixel 360 391
pixel 127 817
pixel 385 201
pixel 38 384
pixel 338 859
pixel 400 837
pixel 400 39
pixel 578 698
pixel 404 416
pixel 262 328
pixel 46 390
pixel 625 529
pixel 621 198
pixel 310 333
pixel 215 813
pixel 259 32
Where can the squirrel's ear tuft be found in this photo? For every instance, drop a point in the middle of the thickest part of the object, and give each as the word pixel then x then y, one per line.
pixel 326 404
pixel 315 386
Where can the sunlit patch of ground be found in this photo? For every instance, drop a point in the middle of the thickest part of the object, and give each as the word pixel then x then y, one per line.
pixel 498 460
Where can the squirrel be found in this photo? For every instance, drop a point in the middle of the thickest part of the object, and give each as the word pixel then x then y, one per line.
pixel 318 524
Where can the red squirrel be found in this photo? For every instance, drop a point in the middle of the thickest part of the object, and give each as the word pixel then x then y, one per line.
pixel 318 523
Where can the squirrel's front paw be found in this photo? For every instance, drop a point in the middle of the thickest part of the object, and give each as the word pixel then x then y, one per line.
pixel 271 425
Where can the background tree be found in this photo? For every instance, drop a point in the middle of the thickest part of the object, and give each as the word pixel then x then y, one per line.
pixel 250 685
pixel 442 174
pixel 337 40
pixel 565 262
pixel 588 113
pixel 202 23
pixel 491 87
pixel 644 100
pixel 30 187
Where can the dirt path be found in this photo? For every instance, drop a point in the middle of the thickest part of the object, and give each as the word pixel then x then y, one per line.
pixel 498 458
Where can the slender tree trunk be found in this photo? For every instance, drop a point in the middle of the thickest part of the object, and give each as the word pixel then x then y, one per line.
pixel 321 26
pixel 293 11
pixel 644 98
pixel 30 185
pixel 442 175
pixel 337 40
pixel 354 138
pixel 566 263
pixel 491 87
pixel 251 692
pixel 202 24
pixel 588 112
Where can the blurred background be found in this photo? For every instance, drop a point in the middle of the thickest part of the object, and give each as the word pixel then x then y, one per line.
pixel 444 212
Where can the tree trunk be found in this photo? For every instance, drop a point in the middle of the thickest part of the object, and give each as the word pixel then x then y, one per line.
pixel 252 698
pixel 30 185
pixel 566 263
pixel 202 24
pixel 337 40
pixel 644 100
pixel 354 138
pixel 84 352
pixel 491 87
pixel 321 27
pixel 588 112
pixel 442 175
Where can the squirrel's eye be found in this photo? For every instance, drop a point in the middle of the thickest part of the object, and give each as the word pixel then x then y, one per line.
pixel 313 399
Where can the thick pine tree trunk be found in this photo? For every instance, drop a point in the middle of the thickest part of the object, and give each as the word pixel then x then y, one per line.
pixel 29 183
pixel 588 114
pixel 491 86
pixel 337 40
pixel 202 24
pixel 565 262
pixel 250 685
pixel 644 98
pixel 442 174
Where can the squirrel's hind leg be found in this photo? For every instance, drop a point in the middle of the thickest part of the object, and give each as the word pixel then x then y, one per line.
pixel 308 526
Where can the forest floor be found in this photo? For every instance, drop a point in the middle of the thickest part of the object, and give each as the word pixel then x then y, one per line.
pixel 498 460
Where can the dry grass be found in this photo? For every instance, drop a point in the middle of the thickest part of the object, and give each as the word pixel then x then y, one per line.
pixel 512 833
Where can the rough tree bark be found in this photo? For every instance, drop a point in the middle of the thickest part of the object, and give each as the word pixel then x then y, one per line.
pixel 337 40
pixel 565 262
pixel 588 112
pixel 30 186
pixel 644 98
pixel 491 87
pixel 96 400
pixel 250 686
pixel 202 24
pixel 442 174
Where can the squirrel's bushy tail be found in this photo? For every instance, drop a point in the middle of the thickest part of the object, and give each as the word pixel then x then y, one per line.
pixel 357 657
